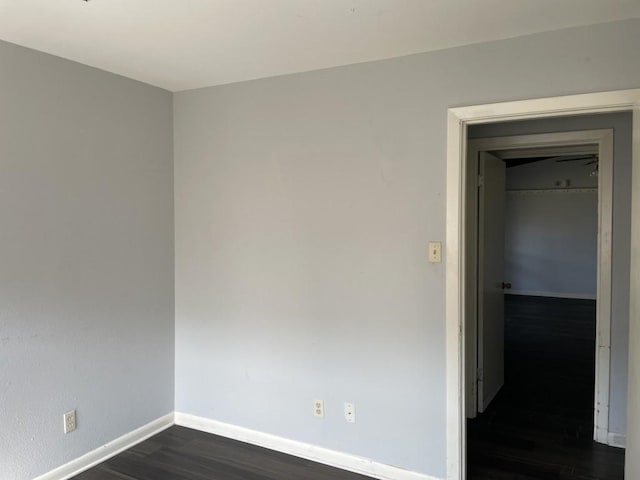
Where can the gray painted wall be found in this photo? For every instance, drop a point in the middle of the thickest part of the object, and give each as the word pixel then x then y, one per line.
pixel 551 238
pixel 621 235
pixel 304 205
pixel 86 258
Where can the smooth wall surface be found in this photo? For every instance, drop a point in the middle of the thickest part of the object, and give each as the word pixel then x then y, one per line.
pixel 551 237
pixel 621 123
pixel 86 258
pixel 304 205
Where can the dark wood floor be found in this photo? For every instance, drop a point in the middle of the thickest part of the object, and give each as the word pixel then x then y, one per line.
pixel 183 454
pixel 540 426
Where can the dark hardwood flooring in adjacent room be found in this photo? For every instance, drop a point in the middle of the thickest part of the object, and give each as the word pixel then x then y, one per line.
pixel 540 425
pixel 180 453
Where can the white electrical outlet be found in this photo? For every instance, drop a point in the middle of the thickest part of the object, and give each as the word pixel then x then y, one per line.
pixel 70 421
pixel 350 412
pixel 318 408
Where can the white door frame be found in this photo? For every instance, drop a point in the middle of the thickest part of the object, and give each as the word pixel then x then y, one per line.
pixel 552 143
pixel 456 254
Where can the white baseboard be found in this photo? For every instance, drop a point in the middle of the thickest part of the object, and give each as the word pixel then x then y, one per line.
pixel 314 453
pixel 533 293
pixel 616 440
pixel 100 454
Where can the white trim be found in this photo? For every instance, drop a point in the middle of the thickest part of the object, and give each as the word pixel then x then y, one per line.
pixel 632 464
pixel 545 191
pixel 600 102
pixel 603 289
pixel 344 461
pixel 458 120
pixel 616 440
pixel 547 152
pixel 533 293
pixel 333 458
pixel 100 454
pixel 455 284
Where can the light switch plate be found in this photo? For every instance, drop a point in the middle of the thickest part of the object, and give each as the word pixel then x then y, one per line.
pixel 350 412
pixel 435 252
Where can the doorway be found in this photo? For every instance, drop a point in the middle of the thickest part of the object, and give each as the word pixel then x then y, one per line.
pixel 457 255
pixel 588 142
pixel 538 411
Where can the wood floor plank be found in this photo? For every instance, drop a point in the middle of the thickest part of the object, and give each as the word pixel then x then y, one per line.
pixel 540 425
pixel 180 453
pixel 101 473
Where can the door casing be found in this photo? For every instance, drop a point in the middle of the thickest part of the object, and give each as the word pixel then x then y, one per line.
pixel 456 254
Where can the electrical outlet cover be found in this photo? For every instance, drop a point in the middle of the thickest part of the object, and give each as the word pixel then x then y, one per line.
pixel 70 421
pixel 318 408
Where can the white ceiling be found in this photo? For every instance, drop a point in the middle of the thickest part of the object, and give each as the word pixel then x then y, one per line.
pixel 184 44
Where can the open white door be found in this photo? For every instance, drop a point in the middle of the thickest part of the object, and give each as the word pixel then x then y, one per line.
pixel 491 205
